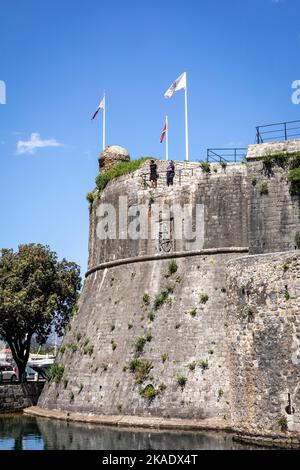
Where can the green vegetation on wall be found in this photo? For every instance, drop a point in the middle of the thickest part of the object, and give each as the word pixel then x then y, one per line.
pixel 120 169
pixel 294 179
pixel 285 160
pixel 56 372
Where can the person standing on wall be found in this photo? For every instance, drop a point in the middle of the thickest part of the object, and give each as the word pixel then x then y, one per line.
pixel 153 173
pixel 170 173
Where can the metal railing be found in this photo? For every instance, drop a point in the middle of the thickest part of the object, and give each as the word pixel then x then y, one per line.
pixel 278 131
pixel 181 177
pixel 227 155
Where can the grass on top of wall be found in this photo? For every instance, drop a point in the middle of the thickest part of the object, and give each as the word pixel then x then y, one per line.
pixel 120 169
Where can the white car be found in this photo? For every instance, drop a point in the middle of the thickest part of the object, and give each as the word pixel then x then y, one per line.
pixel 31 374
pixel 7 373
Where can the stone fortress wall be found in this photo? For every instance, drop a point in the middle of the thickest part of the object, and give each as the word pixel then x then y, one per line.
pixel 223 344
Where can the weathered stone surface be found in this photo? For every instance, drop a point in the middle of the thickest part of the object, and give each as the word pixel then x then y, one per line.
pixel 260 150
pixel 112 155
pixel 264 348
pixel 111 315
pixel 273 217
pixel 223 195
pixel 247 330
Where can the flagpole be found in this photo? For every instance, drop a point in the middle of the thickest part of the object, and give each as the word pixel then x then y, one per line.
pixel 104 123
pixel 186 124
pixel 167 138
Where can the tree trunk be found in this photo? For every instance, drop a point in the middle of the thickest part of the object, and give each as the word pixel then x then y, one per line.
pixel 20 351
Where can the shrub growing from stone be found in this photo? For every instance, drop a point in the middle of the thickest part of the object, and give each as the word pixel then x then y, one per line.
pixel 149 392
pixel 56 372
pixel 181 380
pixel 171 269
pixel 205 166
pixel 204 298
pixel 264 190
pixel 160 299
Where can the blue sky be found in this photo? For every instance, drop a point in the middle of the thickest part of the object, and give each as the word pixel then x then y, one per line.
pixel 57 57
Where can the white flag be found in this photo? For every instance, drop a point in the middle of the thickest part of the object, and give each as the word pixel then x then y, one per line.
pixel 177 85
pixel 101 106
pixel 102 103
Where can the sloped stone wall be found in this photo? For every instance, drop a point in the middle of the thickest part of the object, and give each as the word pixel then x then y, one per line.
pixel 188 339
pixel 238 351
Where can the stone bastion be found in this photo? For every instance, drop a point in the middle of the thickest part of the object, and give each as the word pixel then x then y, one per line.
pixel 207 331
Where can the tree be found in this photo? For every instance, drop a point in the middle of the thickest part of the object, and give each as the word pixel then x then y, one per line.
pixel 37 292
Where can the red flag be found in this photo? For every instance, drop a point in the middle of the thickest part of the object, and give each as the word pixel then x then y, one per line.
pixel 163 133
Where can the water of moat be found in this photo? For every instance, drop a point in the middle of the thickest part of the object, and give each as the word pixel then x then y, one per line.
pixel 20 432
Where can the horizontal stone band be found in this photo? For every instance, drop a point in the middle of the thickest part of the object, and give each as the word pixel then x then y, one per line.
pixel 181 254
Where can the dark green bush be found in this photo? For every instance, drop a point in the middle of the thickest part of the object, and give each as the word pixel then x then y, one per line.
pixel 294 179
pixel 205 166
pixel 172 268
pixel 204 364
pixel 181 380
pixel 193 312
pixel 149 392
pixel 140 344
pixel 151 316
pixel 140 368
pixel 160 299
pixel 204 298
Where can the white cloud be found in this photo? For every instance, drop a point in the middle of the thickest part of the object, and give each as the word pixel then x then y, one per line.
pixel 35 142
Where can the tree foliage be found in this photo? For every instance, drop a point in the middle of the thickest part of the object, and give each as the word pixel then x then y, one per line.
pixel 37 292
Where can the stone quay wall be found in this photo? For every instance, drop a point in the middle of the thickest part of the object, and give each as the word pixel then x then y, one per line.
pixel 16 397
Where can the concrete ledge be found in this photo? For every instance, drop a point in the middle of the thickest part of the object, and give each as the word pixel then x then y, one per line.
pixel 288 440
pixel 122 421
pixel 182 254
